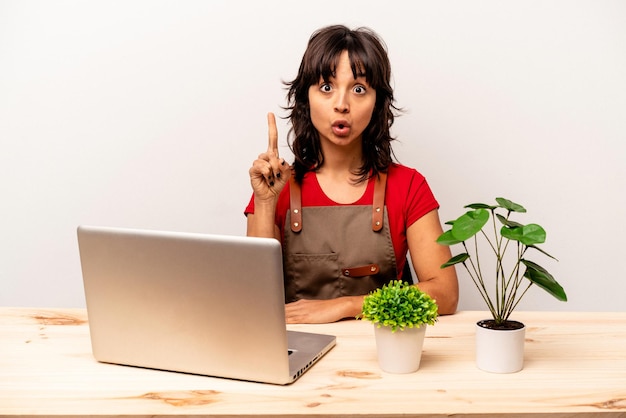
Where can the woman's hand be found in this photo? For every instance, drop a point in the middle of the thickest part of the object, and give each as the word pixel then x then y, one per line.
pixel 269 173
pixel 307 311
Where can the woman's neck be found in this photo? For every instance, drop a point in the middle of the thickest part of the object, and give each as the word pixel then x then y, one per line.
pixel 338 179
pixel 341 187
pixel 341 162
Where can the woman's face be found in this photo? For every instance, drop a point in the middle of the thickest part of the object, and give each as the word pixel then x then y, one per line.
pixel 342 108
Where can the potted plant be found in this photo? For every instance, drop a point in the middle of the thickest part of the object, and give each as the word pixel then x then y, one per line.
pixel 511 277
pixel 400 313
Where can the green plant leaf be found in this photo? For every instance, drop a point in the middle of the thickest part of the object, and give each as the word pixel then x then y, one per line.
pixel 509 205
pixel 467 225
pixel 456 260
pixel 543 252
pixel 479 206
pixel 540 276
pixel 507 222
pixel 447 239
pixel 533 234
pixel 530 234
pixel 515 233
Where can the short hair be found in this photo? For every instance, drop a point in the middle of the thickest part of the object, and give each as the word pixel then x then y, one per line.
pixel 368 56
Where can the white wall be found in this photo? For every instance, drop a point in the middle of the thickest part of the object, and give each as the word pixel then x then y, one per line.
pixel 148 113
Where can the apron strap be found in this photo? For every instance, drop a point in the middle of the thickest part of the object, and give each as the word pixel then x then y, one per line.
pixel 295 203
pixel 379 202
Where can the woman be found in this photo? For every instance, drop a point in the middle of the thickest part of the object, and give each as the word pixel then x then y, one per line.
pixel 345 213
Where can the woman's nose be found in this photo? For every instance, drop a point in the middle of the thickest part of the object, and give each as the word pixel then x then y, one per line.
pixel 342 105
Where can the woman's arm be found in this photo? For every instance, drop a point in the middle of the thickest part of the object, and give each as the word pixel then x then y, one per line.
pixel 427 256
pixel 261 223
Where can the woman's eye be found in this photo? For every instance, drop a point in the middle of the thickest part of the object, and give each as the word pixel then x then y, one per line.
pixel 325 88
pixel 359 89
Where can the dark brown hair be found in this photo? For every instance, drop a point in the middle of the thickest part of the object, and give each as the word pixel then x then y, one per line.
pixel 368 57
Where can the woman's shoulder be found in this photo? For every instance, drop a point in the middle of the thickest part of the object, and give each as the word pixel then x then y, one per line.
pixel 398 171
pixel 409 188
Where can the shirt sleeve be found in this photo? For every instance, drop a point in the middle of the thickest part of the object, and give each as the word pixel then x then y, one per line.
pixel 250 208
pixel 420 199
pixel 408 198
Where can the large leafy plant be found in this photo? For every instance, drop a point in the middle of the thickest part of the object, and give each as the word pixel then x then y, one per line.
pixel 399 305
pixel 504 298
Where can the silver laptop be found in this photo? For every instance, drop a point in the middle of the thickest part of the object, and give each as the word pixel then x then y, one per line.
pixel 194 303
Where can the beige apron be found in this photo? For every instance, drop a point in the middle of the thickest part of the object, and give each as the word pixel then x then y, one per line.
pixel 334 251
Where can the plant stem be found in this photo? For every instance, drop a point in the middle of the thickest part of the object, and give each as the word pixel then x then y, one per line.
pixel 518 300
pixel 499 271
pixel 513 300
pixel 481 289
pixel 477 277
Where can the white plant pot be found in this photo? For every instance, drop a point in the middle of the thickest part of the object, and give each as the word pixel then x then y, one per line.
pixel 500 351
pixel 400 351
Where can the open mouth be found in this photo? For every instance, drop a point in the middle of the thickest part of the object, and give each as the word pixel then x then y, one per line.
pixel 341 128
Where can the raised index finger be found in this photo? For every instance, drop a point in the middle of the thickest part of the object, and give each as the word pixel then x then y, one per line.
pixel 272 133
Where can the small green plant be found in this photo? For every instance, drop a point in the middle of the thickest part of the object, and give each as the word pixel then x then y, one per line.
pixel 507 284
pixel 399 305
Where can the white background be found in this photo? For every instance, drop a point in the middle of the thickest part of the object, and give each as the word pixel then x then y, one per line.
pixel 148 114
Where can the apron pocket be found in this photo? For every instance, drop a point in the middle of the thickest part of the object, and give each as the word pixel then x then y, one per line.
pixel 313 276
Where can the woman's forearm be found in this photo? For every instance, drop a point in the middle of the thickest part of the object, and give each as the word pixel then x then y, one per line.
pixel 261 222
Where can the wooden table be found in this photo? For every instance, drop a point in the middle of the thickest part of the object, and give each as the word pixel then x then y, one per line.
pixel 575 365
